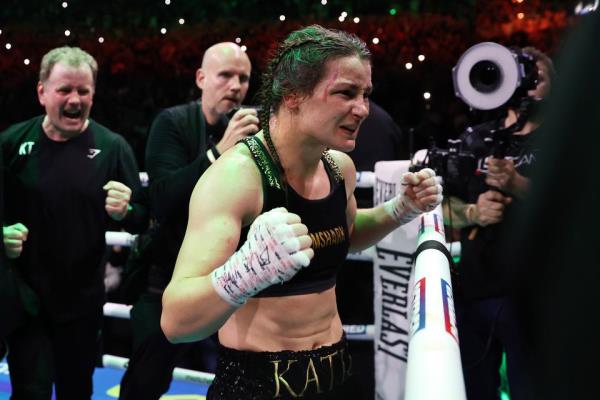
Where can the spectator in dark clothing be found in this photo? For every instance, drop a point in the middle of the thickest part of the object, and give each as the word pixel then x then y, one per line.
pixel 184 141
pixel 67 178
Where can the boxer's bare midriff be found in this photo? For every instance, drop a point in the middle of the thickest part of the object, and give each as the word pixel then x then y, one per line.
pixel 301 322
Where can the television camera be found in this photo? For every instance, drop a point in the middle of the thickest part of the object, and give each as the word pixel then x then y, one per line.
pixel 487 76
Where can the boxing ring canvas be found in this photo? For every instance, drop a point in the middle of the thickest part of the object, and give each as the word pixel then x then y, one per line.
pixel 106 386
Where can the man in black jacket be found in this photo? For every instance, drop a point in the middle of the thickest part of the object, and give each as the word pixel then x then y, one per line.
pixel 67 177
pixel 184 141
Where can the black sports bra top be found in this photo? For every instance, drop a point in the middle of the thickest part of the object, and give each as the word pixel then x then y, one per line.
pixel 325 219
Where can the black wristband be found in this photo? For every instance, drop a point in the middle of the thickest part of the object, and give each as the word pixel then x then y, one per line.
pixel 215 152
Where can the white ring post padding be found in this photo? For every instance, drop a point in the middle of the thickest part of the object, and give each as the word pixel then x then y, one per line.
pixel 144 179
pixel 353 332
pixel 124 239
pixel 434 369
pixel 116 310
pixel 179 374
pixel 365 179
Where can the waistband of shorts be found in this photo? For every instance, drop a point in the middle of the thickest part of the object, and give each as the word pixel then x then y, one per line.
pixel 250 355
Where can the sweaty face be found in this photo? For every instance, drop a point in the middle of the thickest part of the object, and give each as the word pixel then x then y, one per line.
pixel 332 114
pixel 224 79
pixel 67 95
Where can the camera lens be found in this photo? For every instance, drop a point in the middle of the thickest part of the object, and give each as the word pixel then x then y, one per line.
pixel 485 76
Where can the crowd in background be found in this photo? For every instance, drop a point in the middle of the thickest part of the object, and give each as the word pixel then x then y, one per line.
pixel 143 71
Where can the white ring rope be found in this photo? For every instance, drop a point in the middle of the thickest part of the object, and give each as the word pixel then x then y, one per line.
pixel 179 374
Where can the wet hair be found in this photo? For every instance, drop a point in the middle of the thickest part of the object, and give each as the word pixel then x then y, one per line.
pixel 72 56
pixel 298 64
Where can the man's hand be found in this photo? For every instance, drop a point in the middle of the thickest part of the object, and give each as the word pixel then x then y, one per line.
pixel 117 199
pixel 489 208
pixel 14 236
pixel 243 123
pixel 503 175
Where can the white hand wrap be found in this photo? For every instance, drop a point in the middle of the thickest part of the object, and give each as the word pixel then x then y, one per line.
pixel 270 255
pixel 403 209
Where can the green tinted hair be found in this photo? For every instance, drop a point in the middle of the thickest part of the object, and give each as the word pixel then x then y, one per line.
pixel 72 56
pixel 298 64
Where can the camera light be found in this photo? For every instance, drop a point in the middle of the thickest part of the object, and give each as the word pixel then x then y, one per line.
pixel 486 76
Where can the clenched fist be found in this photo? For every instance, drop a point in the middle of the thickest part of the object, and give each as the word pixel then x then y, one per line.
pixel 117 199
pixel 13 237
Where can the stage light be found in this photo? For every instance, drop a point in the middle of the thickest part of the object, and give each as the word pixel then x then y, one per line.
pixel 282 17
pixel 8 46
pixel 356 20
pixel 238 40
pixel 181 21
pixel 244 48
pixel 375 40
pixel 344 14
pixel 100 39
pixel 167 2
pixel 67 32
pixel 520 15
pixel 324 2
pixel 341 19
pixel 427 95
pixel 393 11
pixel 163 30
pixel 408 65
pixel 26 61
pixel 421 57
pixel 65 4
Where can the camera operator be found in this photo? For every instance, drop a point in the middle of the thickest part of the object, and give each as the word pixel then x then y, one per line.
pixel 487 323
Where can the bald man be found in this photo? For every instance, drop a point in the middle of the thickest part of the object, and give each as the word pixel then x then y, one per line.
pixel 183 142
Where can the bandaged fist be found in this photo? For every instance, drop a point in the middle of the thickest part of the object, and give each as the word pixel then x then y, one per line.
pixel 277 247
pixel 490 208
pixel 13 237
pixel 117 199
pixel 422 193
